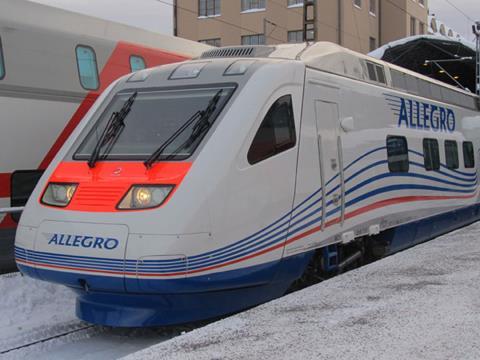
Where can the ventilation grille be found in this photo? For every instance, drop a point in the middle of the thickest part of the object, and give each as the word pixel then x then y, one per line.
pixel 238 51
pixel 98 196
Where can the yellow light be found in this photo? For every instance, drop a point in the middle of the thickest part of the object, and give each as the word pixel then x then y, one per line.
pixel 143 196
pixel 70 192
pixel 441 71
pixel 456 77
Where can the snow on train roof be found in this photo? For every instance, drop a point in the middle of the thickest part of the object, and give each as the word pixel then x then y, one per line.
pixel 23 13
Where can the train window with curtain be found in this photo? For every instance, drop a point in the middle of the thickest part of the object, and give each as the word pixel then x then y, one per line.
pixel 87 67
pixel 431 154
pixel 468 156
pixel 397 153
pixel 451 154
pixel 137 63
pixel 276 133
pixel 2 63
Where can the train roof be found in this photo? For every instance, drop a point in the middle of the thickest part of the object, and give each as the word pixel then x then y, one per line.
pixel 22 14
pixel 333 58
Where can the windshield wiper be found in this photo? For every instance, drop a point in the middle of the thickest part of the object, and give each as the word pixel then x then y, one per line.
pixel 201 117
pixel 112 130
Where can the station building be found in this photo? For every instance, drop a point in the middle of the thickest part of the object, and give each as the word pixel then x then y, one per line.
pixel 360 25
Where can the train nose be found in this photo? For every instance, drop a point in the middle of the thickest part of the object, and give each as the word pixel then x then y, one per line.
pixel 81 255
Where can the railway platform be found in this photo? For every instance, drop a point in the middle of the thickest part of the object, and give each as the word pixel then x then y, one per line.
pixel 422 303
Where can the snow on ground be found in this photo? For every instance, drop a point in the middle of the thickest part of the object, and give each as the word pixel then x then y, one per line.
pixel 31 309
pixel 423 303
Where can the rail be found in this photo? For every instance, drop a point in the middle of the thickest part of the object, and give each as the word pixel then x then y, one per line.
pixel 11 210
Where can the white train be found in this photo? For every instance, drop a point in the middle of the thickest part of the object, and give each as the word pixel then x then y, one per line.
pixel 53 65
pixel 195 190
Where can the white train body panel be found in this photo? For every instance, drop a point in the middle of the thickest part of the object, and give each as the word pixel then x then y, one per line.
pixel 236 232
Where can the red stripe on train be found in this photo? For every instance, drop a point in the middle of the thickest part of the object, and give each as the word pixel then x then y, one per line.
pixel 377 205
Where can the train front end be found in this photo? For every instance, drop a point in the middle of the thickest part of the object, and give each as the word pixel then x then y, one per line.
pixel 123 215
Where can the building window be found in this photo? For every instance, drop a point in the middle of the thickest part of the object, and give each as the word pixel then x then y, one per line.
pixel 137 63
pixel 413 26
pixel 373 43
pixel 212 42
pixel 468 157
pixel 276 133
pixel 295 36
pixel 258 39
pixel 208 7
pixel 397 153
pixel 373 7
pixel 87 67
pixel 431 154
pixel 294 2
pixel 2 63
pixel 357 3
pixel 451 154
pixel 253 4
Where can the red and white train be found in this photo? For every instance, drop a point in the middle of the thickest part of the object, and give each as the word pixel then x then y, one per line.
pixel 53 66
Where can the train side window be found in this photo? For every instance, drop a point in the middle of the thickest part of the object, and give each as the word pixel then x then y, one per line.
pixel 468 157
pixel 380 74
pixel 276 132
pixel 137 63
pixel 371 71
pixel 431 154
pixel 87 67
pixel 451 154
pixel 2 63
pixel 397 152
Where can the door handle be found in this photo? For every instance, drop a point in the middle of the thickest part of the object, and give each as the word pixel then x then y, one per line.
pixel 336 199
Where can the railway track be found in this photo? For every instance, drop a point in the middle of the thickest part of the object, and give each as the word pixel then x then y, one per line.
pixel 79 328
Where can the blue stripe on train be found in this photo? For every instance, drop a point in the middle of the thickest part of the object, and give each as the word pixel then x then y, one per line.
pixel 254 243
pixel 164 302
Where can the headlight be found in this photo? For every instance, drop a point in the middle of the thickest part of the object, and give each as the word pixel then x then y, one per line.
pixel 145 196
pixel 58 194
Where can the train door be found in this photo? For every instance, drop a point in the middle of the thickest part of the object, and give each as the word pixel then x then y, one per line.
pixel 331 167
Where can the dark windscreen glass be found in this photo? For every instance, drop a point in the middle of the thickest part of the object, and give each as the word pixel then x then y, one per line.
pixel 154 117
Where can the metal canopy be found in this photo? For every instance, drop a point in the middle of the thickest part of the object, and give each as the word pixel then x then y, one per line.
pixel 422 54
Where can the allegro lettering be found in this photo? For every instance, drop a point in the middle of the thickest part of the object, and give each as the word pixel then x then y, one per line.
pixel 423 116
pixel 83 241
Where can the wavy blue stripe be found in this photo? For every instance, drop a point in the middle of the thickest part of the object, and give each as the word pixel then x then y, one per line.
pixel 199 258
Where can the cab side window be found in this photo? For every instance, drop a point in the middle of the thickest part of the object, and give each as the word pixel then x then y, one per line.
pixel 397 153
pixel 276 133
pixel 2 63
pixel 87 67
pixel 137 63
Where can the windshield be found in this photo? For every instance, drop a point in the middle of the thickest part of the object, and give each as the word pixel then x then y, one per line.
pixel 153 118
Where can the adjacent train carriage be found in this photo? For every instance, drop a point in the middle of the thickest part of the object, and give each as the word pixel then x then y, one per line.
pixel 195 190
pixel 53 66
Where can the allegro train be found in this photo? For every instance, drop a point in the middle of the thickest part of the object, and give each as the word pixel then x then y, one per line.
pixel 198 189
pixel 53 66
